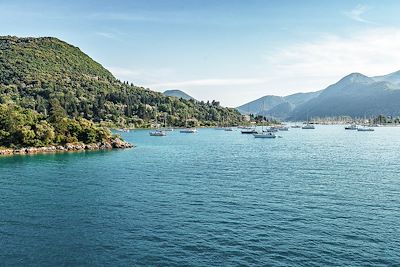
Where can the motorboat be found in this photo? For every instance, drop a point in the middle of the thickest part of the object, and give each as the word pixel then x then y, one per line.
pixel 189 130
pixel 308 127
pixel 248 131
pixel 264 135
pixel 351 127
pixel 158 133
pixel 271 130
pixel 365 129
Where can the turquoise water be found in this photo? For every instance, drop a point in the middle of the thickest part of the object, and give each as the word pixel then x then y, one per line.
pixel 312 198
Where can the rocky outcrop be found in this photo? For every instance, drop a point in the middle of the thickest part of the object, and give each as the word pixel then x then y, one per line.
pixel 114 143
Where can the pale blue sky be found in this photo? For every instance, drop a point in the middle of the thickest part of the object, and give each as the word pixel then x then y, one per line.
pixel 232 51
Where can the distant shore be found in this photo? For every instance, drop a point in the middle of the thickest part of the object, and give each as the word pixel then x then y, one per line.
pixel 70 147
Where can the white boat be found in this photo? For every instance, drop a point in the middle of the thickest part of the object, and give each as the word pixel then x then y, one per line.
pixel 284 128
pixel 271 130
pixel 248 131
pixel 228 129
pixel 295 126
pixel 264 135
pixel 351 127
pixel 169 129
pixel 308 127
pixel 189 130
pixel 157 133
pixel 365 129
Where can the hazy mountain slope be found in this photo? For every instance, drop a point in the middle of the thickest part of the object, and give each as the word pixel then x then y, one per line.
pixel 393 77
pixel 355 95
pixel 280 111
pixel 178 94
pixel 276 106
pixel 263 103
pixel 300 98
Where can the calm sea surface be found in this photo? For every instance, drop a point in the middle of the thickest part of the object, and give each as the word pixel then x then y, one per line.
pixel 324 197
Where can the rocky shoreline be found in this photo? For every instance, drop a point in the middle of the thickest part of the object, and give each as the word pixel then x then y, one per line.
pixel 115 143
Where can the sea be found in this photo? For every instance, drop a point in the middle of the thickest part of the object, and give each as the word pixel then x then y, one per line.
pixel 323 197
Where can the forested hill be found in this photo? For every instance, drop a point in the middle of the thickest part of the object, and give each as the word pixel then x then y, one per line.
pixel 45 74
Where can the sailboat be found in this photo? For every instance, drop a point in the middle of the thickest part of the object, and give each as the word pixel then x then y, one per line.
pixel 365 128
pixel 352 127
pixel 167 129
pixel 264 134
pixel 221 127
pixel 157 132
pixel 308 126
pixel 187 129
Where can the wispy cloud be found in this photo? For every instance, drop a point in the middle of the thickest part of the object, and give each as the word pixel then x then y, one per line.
pixel 316 64
pixel 357 14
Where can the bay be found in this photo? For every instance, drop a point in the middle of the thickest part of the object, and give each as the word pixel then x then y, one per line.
pixel 318 197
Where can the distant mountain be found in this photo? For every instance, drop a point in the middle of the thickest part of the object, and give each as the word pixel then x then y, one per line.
pixel 178 94
pixel 261 104
pixel 276 106
pixel 355 95
pixel 392 77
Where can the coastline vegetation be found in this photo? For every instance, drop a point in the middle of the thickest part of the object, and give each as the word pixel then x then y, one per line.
pixel 21 127
pixel 53 93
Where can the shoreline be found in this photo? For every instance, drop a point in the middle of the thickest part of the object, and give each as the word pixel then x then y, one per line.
pixel 69 147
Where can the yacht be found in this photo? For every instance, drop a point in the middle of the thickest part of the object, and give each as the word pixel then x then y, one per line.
pixel 308 127
pixel 157 133
pixel 351 127
pixel 249 130
pixel 264 135
pixel 271 130
pixel 365 129
pixel 189 130
pixel 228 129
pixel 284 128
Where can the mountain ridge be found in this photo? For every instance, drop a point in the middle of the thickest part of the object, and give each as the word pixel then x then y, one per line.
pixel 353 95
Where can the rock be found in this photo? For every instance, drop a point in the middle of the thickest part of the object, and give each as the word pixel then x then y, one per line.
pixel 114 143
pixel 118 143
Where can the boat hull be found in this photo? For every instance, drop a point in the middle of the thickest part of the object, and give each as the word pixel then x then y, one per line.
pixel 258 135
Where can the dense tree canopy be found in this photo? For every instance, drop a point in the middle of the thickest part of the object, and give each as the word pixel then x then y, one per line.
pixel 47 75
pixel 21 127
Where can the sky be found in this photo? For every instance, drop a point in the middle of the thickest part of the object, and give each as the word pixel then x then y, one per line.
pixel 231 51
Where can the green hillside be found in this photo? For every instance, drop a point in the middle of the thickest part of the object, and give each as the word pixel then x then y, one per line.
pixel 37 73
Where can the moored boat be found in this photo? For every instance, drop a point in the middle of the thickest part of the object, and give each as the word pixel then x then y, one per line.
pixel 189 130
pixel 248 131
pixel 365 129
pixel 157 133
pixel 308 127
pixel 351 127
pixel 264 135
